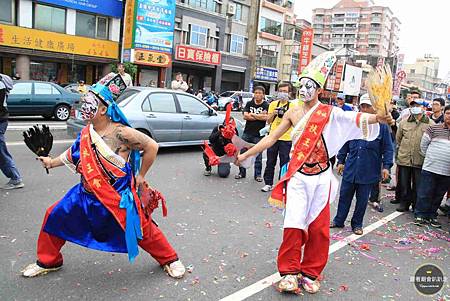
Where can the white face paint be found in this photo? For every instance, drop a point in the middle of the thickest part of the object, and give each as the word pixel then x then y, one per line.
pixel 89 106
pixel 308 89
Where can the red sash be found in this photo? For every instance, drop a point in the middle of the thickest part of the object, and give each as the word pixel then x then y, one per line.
pixel 100 185
pixel 302 150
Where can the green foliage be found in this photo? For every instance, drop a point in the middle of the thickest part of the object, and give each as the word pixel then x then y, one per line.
pixel 130 68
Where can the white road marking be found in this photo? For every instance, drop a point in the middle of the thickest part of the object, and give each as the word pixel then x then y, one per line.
pixel 26 127
pixel 268 281
pixel 18 143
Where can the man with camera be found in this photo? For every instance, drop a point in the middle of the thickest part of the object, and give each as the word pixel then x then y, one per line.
pixel 282 147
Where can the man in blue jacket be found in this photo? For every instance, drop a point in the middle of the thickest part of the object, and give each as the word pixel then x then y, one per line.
pixel 360 162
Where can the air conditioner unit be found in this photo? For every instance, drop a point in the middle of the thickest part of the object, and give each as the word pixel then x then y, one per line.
pixel 231 9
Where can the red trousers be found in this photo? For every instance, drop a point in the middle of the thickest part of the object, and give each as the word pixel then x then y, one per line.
pixel 316 240
pixel 154 242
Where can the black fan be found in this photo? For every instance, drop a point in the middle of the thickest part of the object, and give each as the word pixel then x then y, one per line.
pixel 39 140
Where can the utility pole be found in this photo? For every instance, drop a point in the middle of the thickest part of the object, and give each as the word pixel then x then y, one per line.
pixel 253 25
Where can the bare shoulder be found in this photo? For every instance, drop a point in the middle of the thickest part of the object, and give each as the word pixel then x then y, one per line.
pixel 131 137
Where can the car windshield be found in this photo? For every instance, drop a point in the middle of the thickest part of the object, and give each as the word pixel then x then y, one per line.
pixel 226 94
pixel 126 96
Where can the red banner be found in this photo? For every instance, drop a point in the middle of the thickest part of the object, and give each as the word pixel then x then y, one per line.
pixel 196 55
pixel 305 49
pixel 338 78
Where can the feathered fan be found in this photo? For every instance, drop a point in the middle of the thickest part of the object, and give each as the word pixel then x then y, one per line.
pixel 39 140
pixel 379 83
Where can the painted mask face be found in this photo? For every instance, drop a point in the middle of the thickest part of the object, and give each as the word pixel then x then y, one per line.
pixel 89 106
pixel 308 89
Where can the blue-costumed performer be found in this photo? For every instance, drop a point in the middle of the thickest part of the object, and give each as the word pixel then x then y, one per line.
pixel 103 212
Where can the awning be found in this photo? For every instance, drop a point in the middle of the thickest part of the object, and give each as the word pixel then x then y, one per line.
pixel 233 68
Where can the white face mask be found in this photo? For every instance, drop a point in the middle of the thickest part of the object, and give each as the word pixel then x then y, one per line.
pixel 282 96
pixel 416 110
pixel 307 89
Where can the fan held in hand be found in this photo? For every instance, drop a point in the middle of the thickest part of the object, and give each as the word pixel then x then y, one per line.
pixel 39 140
pixel 379 83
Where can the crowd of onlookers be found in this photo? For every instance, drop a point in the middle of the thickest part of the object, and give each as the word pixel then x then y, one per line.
pixel 418 145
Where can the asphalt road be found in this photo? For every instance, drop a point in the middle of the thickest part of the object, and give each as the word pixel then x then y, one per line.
pixel 222 228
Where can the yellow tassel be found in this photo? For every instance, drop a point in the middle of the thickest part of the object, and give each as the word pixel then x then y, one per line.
pixel 276 203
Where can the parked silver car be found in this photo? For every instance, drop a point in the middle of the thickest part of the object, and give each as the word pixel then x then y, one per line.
pixel 172 118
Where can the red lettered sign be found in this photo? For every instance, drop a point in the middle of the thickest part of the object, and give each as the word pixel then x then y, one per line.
pixel 305 49
pixel 197 55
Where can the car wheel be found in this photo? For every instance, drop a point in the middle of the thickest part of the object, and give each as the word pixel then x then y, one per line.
pixel 62 112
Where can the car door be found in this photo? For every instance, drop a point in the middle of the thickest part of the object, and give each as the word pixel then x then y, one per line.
pixel 197 122
pixel 160 112
pixel 19 99
pixel 45 97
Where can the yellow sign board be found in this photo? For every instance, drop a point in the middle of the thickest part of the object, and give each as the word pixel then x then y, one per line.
pixel 128 24
pixel 20 37
pixel 152 58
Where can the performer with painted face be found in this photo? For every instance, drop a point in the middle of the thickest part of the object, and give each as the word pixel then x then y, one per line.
pixel 110 209
pixel 319 131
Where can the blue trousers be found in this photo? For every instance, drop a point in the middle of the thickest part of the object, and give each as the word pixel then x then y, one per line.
pixel 347 192
pixel 430 193
pixel 279 149
pixel 258 161
pixel 7 165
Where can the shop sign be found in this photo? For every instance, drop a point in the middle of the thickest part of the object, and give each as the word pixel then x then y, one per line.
pixel 149 25
pixel 152 58
pixel 196 55
pixel 268 74
pixel 338 78
pixel 20 37
pixel 112 8
pixel 305 49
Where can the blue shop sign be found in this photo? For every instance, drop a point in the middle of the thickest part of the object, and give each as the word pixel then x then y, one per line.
pixel 112 8
pixel 267 74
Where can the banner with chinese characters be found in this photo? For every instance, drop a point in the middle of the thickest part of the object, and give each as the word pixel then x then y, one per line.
pixel 112 8
pixel 267 74
pixel 152 58
pixel 338 76
pixel 20 37
pixel 305 49
pixel 196 55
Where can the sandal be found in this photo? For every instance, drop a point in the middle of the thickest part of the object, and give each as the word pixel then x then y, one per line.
pixel 258 179
pixel 333 225
pixel 358 231
pixel 239 176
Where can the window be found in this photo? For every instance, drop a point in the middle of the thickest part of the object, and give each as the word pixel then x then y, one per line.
pixel 209 5
pixel 237 44
pixel 191 105
pixel 160 102
pixel 241 12
pixel 21 88
pixel 91 26
pixel 199 35
pixel 7 12
pixel 412 71
pixel 45 89
pixel 270 26
pixel 49 18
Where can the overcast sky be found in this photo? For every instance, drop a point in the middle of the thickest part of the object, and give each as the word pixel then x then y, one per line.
pixel 424 27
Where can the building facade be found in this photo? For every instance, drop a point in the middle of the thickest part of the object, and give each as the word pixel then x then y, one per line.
pixel 210 44
pixel 424 75
pixel 371 30
pixel 57 40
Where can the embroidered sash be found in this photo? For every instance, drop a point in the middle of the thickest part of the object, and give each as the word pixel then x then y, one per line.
pixel 122 206
pixel 302 151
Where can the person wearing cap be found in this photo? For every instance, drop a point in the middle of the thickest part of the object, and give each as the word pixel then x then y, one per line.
pixel 305 191
pixel 340 102
pixel 412 96
pixel 110 209
pixel 359 164
pixel 409 157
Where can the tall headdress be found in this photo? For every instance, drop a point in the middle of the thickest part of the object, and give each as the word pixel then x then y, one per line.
pixel 319 68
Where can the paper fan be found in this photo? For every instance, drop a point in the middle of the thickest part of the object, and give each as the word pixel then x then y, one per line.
pixel 379 83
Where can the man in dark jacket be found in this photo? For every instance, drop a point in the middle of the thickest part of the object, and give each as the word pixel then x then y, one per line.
pixel 7 165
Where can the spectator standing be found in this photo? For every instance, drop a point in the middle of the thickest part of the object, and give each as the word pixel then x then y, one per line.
pixel 125 76
pixel 7 165
pixel 340 102
pixel 437 116
pixel 255 114
pixel 282 147
pixel 199 94
pixel 412 96
pixel 409 157
pixel 179 84
pixel 435 177
pixel 360 162
pixel 81 87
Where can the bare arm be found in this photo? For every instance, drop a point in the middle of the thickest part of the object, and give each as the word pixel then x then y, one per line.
pixel 261 117
pixel 249 116
pixel 270 140
pixel 136 140
pixel 271 117
pixel 50 163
